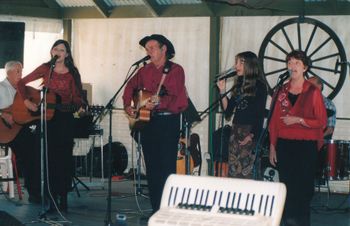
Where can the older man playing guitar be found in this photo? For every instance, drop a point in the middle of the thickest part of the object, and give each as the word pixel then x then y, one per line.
pixel 18 137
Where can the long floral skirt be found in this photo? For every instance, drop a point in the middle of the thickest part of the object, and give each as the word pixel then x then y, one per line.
pixel 240 157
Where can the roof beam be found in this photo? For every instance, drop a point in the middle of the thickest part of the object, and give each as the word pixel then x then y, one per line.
pixel 51 9
pixel 103 8
pixel 153 7
pixel 206 9
pixel 209 8
pixel 81 13
pixel 11 9
pixel 52 4
pixel 187 10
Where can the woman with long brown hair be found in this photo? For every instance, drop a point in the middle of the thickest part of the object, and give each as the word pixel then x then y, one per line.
pixel 60 77
pixel 247 103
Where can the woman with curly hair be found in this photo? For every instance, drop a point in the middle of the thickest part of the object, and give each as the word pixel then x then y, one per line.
pixel 296 134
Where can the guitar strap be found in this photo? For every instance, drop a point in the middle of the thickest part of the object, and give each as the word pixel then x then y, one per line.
pixel 166 70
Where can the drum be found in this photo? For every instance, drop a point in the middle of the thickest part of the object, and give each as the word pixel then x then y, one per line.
pixel 335 160
pixel 271 174
pixel 267 171
pixel 119 160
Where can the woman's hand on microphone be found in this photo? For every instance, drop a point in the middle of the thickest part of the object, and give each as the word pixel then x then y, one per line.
pixel 221 84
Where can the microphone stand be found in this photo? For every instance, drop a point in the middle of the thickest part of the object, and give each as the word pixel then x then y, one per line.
pixel 190 115
pixel 43 144
pixel 109 108
pixel 43 151
pixel 222 129
pixel 276 90
pixel 205 112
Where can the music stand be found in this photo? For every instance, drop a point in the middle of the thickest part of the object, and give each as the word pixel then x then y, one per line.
pixel 190 115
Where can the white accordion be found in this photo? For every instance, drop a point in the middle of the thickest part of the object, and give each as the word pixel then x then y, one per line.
pixel 214 201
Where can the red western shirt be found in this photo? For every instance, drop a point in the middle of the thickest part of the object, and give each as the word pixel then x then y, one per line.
pixel 174 97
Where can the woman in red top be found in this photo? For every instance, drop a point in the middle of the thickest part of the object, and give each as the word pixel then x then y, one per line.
pixel 296 134
pixel 65 82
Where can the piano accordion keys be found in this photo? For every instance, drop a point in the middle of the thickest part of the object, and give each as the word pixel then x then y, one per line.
pixel 202 201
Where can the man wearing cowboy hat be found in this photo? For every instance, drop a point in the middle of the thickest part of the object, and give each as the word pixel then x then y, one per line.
pixel 165 81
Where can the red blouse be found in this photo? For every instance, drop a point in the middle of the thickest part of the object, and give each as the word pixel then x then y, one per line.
pixel 174 98
pixel 308 106
pixel 61 84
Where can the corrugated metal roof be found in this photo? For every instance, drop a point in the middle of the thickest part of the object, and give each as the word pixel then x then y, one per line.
pixel 170 8
pixel 178 2
pixel 141 2
pixel 113 3
pixel 315 0
pixel 75 3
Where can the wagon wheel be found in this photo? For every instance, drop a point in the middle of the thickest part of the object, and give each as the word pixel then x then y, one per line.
pixel 322 46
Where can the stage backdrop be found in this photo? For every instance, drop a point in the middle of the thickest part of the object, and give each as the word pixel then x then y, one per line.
pixel 104 49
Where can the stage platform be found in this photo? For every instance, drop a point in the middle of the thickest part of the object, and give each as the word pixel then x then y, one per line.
pixel 90 209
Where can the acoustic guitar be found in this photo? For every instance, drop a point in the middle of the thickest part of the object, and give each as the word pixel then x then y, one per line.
pixel 181 158
pixel 22 115
pixel 8 132
pixel 140 100
pixel 143 115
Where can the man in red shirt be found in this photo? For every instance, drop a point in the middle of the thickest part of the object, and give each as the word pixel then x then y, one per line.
pixel 164 81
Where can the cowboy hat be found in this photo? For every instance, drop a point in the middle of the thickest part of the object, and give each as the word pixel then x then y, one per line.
pixel 162 40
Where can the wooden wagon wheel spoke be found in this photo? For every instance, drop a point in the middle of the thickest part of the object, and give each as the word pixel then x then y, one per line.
pixel 323 81
pixel 321 45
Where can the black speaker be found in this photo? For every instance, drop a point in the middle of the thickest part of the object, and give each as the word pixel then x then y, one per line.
pixel 11 41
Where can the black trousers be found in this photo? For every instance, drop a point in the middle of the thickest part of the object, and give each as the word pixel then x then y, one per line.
pixel 296 163
pixel 159 141
pixel 58 157
pixel 28 158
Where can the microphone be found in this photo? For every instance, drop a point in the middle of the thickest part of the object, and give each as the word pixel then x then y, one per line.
pixel 142 60
pixel 53 60
pixel 225 74
pixel 283 77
